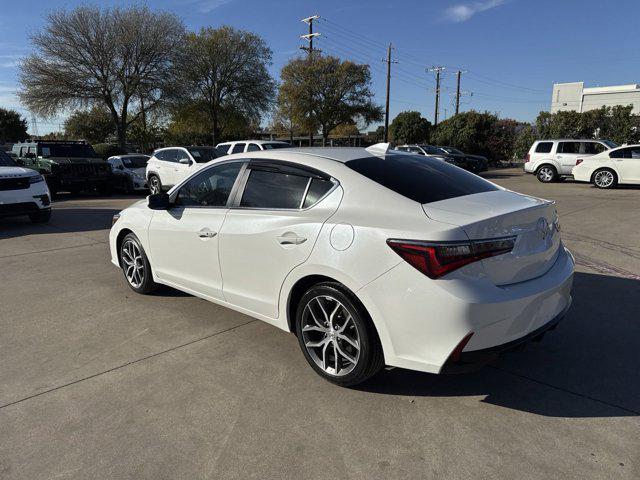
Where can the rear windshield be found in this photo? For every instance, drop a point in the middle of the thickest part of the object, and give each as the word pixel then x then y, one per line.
pixel 74 150
pixel 419 178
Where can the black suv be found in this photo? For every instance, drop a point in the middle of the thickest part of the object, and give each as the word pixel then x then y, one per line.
pixel 65 165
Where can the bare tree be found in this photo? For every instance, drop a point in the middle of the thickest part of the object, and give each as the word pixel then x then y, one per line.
pixel 121 59
pixel 226 69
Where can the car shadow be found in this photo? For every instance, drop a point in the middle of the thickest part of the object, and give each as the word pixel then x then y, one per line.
pixel 62 220
pixel 497 175
pixel 588 367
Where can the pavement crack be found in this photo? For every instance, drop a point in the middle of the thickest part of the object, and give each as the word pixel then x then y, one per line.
pixel 132 362
pixel 95 242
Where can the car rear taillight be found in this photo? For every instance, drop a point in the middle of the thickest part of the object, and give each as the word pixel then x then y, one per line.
pixel 579 161
pixel 438 259
pixel 527 158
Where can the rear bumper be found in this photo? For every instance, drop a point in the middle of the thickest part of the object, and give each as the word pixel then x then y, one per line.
pixel 469 361
pixel 421 322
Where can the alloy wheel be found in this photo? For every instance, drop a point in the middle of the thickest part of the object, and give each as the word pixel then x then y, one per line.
pixel 546 174
pixel 330 335
pixel 134 268
pixel 604 179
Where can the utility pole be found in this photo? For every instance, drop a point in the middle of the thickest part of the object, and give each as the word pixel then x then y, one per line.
pixel 458 91
pixel 438 69
pixel 388 61
pixel 309 37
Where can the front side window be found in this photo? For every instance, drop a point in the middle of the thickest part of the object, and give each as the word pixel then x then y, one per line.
pixel 210 188
pixel 544 147
pixel 421 179
pixel 274 189
pixel 238 148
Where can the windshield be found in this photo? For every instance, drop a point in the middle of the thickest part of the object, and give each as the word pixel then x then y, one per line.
pixel 610 144
pixel 273 146
pixel 432 150
pixel 78 150
pixel 135 162
pixel 451 150
pixel 205 154
pixel 6 160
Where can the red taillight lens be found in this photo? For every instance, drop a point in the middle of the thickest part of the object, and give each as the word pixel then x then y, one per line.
pixel 527 158
pixel 438 259
pixel 579 161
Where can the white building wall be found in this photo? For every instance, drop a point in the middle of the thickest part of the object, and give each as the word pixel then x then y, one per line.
pixel 573 96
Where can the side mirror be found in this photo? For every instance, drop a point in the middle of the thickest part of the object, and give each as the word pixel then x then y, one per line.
pixel 184 161
pixel 159 201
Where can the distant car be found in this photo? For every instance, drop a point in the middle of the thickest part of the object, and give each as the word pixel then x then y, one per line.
pixel 551 160
pixel 476 163
pixel 252 146
pixel 371 256
pixel 129 172
pixel 610 168
pixel 23 191
pixel 435 152
pixel 169 166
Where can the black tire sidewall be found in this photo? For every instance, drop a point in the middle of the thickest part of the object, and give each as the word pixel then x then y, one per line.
pixel 363 323
pixel 151 177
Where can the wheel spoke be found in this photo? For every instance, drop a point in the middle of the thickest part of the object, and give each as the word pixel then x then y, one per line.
pixel 353 343
pixel 324 356
pixel 335 356
pixel 313 315
pixel 348 320
pixel 333 314
pixel 316 344
pixel 313 328
pixel 324 312
pixel 345 354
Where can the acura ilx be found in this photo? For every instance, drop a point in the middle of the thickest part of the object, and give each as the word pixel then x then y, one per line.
pixel 371 257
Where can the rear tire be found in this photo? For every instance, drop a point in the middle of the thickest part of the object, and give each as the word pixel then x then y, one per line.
pixel 605 178
pixel 135 266
pixel 547 174
pixel 155 185
pixel 40 217
pixel 337 336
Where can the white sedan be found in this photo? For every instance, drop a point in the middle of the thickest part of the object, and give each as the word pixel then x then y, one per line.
pixel 610 168
pixel 370 256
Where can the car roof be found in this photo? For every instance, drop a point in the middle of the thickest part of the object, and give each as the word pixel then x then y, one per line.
pixel 259 142
pixel 338 154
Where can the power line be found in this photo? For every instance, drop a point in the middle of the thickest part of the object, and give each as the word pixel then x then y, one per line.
pixel 388 61
pixel 309 37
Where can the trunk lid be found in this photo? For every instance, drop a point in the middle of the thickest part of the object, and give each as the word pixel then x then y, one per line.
pixel 503 213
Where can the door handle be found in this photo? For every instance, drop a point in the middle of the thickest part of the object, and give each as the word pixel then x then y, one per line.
pixel 290 240
pixel 206 233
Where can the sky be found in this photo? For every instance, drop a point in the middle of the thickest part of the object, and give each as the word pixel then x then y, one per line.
pixel 510 51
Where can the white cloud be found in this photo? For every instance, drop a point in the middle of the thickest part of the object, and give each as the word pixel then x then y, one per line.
pixel 464 11
pixel 207 6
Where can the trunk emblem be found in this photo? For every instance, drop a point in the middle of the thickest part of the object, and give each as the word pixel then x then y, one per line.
pixel 543 228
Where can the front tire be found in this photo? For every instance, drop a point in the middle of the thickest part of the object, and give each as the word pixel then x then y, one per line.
pixel 337 336
pixel 547 174
pixel 135 265
pixel 155 185
pixel 605 178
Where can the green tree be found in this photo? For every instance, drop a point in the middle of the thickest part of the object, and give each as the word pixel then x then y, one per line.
pixel 524 139
pixel 225 71
pixel 93 125
pixel 13 127
pixel 119 58
pixel 410 127
pixel 325 92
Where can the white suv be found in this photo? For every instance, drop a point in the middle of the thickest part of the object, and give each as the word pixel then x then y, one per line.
pixel 23 192
pixel 242 146
pixel 169 166
pixel 550 160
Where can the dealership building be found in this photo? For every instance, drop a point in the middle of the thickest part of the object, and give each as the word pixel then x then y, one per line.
pixel 573 96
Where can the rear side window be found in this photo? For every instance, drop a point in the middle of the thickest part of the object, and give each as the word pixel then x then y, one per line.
pixel 238 148
pixel 544 147
pixel 253 148
pixel 272 189
pixel 317 189
pixel 569 147
pixel 633 152
pixel 422 179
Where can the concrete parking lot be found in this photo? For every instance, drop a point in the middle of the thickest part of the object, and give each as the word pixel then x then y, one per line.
pixel 98 382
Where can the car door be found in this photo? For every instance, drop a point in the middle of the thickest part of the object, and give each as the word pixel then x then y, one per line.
pixel 183 240
pixel 164 166
pixel 627 163
pixel 271 228
pixel 566 155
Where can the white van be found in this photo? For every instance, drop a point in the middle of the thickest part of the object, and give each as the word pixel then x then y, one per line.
pixel 551 160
